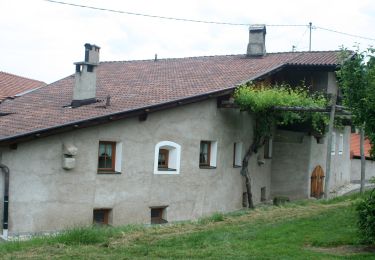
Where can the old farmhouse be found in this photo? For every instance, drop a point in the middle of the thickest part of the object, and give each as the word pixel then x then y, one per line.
pixel 150 141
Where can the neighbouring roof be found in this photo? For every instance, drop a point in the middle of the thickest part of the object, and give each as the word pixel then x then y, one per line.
pixel 12 85
pixel 355 146
pixel 135 85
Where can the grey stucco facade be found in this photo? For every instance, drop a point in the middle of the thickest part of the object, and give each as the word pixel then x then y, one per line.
pixel 297 154
pixel 45 197
pixel 355 176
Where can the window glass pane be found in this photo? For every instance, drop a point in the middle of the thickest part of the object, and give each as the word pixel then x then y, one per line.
pixel 203 156
pixel 161 161
pixel 108 163
pixel 101 162
pixel 163 158
pixel 99 216
pixel 156 213
pixel 109 150
pixel 101 149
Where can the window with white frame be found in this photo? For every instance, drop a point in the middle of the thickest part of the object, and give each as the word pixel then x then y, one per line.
pixel 268 148
pixel 167 158
pixel 207 154
pixel 341 144
pixel 237 154
pixel 333 144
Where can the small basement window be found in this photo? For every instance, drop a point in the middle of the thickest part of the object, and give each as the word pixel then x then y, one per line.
pixel 158 215
pixel 208 154
pixel 237 154
pixel 263 195
pixel 109 157
pixel 167 158
pixel 101 216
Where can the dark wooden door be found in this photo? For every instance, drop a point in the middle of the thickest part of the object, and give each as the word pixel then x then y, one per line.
pixel 317 182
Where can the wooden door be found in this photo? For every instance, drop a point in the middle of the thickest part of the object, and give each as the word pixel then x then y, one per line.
pixel 317 182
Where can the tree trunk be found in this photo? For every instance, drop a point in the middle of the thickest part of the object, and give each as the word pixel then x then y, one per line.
pixel 363 159
pixel 245 171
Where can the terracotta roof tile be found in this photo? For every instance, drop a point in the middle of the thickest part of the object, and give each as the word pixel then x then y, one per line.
pixel 355 146
pixel 12 85
pixel 137 84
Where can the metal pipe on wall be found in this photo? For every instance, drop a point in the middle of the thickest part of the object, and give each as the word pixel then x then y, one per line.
pixel 5 170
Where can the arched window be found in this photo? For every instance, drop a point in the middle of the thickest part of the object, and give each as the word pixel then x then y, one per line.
pixel 167 158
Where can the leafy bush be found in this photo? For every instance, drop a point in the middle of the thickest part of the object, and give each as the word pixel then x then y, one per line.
pixel 366 218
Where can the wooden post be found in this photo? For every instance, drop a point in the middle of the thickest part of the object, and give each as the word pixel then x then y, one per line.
pixel 329 145
pixel 363 159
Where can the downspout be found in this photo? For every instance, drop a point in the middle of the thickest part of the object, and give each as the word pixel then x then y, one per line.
pixel 5 170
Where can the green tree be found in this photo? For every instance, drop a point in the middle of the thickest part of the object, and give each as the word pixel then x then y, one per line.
pixel 277 105
pixel 357 82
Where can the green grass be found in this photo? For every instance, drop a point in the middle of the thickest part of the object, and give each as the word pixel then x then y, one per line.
pixel 301 230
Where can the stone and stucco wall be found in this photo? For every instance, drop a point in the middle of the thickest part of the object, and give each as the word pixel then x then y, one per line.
pixel 341 162
pixel 356 170
pixel 45 197
pixel 290 165
pixel 295 157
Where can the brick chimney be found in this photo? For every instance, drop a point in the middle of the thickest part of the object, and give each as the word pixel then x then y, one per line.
pixel 84 91
pixel 257 40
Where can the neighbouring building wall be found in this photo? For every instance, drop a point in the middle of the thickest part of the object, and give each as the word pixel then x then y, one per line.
pixel 340 154
pixel 355 176
pixel 45 197
pixel 1 196
pixel 340 160
pixel 291 153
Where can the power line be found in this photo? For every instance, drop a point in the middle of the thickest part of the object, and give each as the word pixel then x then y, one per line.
pixel 166 17
pixel 204 21
pixel 344 33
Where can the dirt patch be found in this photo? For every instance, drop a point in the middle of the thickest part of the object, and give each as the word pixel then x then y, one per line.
pixel 343 250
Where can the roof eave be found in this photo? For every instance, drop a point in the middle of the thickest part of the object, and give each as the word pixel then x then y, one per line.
pixel 9 140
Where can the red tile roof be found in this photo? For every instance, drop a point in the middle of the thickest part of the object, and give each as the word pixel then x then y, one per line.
pixel 355 146
pixel 138 84
pixel 12 85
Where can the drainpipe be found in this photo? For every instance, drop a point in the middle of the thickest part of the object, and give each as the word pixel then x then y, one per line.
pixel 5 170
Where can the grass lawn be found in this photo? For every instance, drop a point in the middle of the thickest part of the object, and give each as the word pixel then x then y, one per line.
pixel 300 230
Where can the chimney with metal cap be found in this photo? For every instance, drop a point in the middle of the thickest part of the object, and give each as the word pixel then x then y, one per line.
pixel 84 91
pixel 257 40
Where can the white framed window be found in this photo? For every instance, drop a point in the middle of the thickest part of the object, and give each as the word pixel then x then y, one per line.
pixel 208 154
pixel 333 144
pixel 167 158
pixel 268 148
pixel 237 154
pixel 341 144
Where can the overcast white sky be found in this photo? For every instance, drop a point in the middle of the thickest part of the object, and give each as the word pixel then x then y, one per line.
pixel 41 40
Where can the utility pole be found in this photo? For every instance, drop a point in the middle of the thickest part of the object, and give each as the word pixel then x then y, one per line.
pixel 329 145
pixel 310 26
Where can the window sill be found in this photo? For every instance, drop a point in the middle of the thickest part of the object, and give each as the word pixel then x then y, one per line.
pixel 108 172
pixel 237 166
pixel 207 167
pixel 166 170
